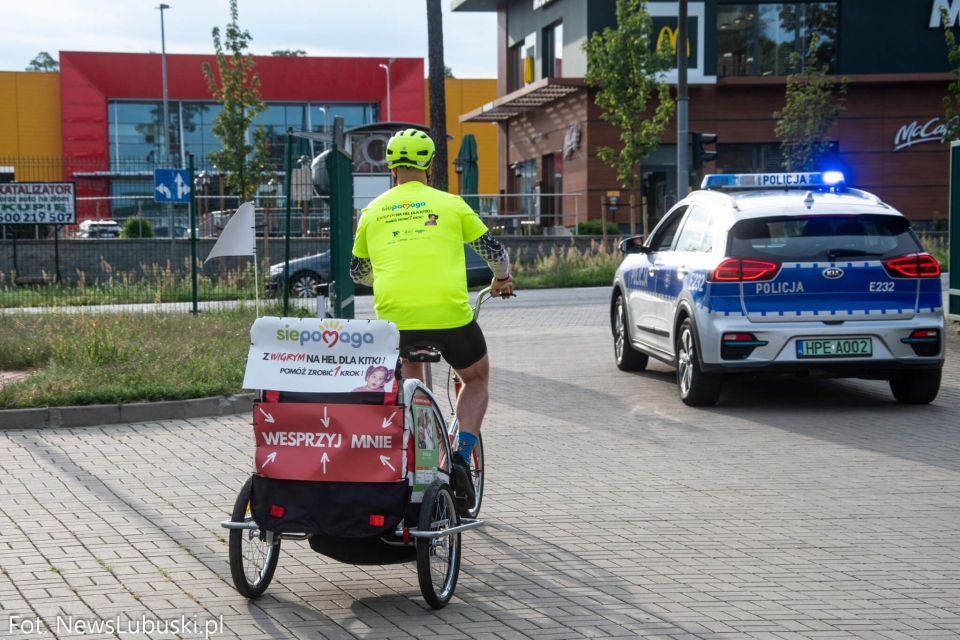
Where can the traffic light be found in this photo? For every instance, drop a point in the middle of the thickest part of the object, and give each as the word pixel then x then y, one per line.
pixel 700 155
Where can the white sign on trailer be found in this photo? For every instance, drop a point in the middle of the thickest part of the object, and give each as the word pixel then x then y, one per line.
pixel 38 203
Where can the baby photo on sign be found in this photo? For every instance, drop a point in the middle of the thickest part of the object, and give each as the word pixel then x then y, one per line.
pixel 425 428
pixel 377 378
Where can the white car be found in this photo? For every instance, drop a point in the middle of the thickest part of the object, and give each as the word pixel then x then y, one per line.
pixel 781 274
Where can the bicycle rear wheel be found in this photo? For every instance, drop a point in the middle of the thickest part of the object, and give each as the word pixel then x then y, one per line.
pixel 438 559
pixel 254 554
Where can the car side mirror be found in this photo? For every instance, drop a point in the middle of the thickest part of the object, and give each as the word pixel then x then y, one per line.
pixel 633 244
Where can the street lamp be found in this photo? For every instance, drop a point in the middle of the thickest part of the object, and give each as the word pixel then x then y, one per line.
pixel 386 67
pixel 204 179
pixel 458 165
pixel 165 128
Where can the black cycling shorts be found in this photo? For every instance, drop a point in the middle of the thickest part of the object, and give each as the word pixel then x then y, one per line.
pixel 461 347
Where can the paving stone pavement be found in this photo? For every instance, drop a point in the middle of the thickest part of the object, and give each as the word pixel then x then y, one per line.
pixel 793 509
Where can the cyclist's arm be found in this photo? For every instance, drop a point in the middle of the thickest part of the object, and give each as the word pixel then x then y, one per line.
pixel 361 271
pixel 494 253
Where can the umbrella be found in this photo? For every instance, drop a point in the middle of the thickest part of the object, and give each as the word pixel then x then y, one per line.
pixel 470 178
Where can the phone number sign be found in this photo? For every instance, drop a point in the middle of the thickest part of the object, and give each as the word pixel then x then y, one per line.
pixel 38 203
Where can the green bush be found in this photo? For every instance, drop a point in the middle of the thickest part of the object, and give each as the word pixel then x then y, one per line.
pixel 137 227
pixel 939 248
pixel 595 228
pixel 568 267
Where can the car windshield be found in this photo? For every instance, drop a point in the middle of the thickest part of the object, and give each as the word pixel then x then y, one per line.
pixel 822 237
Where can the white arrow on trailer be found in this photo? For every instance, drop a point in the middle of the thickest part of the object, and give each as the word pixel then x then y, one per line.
pixel 384 460
pixel 266 415
pixel 388 421
pixel 325 459
pixel 325 420
pixel 270 458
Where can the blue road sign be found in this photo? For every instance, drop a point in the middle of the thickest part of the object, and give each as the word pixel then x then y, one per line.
pixel 171 185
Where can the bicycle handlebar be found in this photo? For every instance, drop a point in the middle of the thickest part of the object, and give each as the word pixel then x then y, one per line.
pixel 482 297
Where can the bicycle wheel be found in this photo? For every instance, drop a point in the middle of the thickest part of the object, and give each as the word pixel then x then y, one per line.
pixel 253 553
pixel 438 559
pixel 476 472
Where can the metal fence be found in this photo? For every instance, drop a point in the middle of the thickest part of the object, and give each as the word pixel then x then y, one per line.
pixel 49 267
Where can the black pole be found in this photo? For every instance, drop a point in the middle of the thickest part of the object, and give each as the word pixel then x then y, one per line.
pixel 683 98
pixel 288 162
pixel 16 272
pixel 56 250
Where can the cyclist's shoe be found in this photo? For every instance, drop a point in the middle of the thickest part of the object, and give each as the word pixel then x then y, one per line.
pixel 463 484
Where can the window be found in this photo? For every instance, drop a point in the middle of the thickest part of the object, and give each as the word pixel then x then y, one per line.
pixel 663 240
pixel 822 238
pixel 522 62
pixel 553 51
pixel 749 158
pixel 692 234
pixel 757 39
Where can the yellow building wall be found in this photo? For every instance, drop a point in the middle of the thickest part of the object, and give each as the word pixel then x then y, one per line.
pixel 29 118
pixel 464 96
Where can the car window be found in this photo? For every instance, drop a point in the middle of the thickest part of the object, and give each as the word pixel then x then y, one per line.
pixel 663 239
pixel 709 236
pixel 823 237
pixel 691 235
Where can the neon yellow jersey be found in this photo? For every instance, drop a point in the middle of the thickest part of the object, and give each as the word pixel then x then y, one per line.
pixel 413 236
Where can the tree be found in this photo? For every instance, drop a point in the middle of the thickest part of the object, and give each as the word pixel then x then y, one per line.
pixel 628 71
pixel 437 93
pixel 811 111
pixel 448 72
pixel 951 101
pixel 246 166
pixel 44 62
pixel 288 52
pixel 137 227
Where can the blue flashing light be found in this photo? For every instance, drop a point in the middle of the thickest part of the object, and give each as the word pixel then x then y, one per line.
pixel 829 179
pixel 832 177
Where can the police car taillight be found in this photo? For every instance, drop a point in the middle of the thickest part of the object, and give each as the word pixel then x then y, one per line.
pixel 915 265
pixel 743 270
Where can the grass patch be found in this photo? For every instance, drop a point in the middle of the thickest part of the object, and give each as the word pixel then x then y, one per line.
pixel 939 248
pixel 80 359
pixel 153 285
pixel 567 267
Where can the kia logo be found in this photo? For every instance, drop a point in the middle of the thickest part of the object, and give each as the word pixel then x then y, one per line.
pixel 832 272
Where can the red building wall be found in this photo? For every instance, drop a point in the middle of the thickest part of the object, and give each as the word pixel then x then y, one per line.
pixel 88 80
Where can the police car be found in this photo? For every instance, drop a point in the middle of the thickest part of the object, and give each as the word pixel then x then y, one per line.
pixel 789 273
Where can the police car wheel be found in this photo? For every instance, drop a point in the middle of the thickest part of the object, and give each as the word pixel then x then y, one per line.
pixel 627 358
pixel 697 389
pixel 917 387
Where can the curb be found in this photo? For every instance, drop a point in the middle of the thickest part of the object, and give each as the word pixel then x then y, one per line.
pixel 133 413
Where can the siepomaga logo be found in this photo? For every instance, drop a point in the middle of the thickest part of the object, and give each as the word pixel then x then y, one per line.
pixel 832 272
pixel 406 204
pixel 330 333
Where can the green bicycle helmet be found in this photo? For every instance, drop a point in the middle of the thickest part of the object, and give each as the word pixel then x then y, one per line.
pixel 410 148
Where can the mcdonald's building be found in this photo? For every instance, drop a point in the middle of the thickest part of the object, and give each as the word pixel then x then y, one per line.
pixel 893 53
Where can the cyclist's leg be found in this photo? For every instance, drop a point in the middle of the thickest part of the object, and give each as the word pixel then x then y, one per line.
pixel 474 396
pixel 411 370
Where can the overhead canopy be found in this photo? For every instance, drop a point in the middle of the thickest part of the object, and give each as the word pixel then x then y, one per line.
pixel 531 96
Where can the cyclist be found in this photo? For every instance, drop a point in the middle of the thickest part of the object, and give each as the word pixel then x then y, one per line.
pixel 409 248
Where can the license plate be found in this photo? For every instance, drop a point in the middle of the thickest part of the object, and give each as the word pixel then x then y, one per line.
pixel 835 348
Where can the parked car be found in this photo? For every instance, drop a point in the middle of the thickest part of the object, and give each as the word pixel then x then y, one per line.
pixel 309 274
pixel 782 273
pixel 98 229
pixel 180 230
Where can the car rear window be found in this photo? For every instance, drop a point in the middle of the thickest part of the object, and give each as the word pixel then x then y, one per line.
pixel 823 238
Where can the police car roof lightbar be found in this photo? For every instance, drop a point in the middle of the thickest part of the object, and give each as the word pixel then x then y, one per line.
pixel 825 180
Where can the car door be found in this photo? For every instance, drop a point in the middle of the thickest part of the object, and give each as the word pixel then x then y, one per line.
pixel 680 268
pixel 645 304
